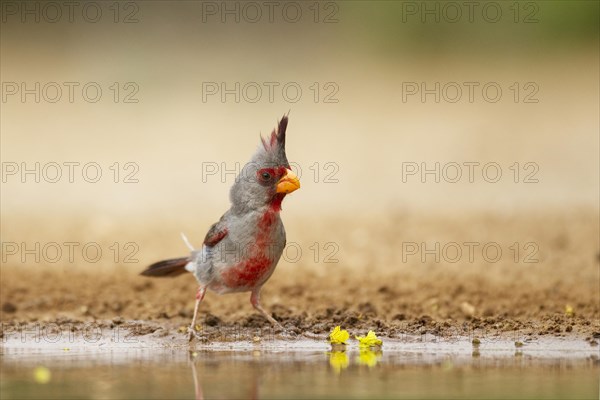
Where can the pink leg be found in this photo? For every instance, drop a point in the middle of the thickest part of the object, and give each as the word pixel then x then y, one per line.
pixel 197 385
pixel 199 296
pixel 255 300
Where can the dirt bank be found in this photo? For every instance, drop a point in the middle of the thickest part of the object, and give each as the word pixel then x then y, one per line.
pixel 375 284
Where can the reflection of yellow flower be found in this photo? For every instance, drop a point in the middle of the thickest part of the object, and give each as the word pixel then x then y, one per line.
pixel 338 336
pixel 368 357
pixel 338 360
pixel 369 341
pixel 42 375
pixel 447 365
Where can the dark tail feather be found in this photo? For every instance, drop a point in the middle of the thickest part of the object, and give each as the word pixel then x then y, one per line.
pixel 172 267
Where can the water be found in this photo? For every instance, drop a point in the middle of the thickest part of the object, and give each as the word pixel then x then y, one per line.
pixel 301 369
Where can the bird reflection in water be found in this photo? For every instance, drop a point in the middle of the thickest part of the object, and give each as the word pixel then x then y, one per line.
pixel 252 392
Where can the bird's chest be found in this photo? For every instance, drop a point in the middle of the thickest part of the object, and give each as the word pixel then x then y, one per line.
pixel 259 256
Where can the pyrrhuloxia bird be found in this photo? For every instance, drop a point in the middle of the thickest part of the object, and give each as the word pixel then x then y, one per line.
pixel 241 251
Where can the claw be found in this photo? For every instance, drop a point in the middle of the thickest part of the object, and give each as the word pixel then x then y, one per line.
pixel 191 333
pixel 194 334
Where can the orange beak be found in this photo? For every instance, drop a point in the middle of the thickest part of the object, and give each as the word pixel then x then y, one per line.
pixel 288 182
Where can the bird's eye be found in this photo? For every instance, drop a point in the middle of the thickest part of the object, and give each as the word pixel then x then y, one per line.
pixel 266 176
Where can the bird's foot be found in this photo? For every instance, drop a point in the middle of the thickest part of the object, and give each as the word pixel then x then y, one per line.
pixel 193 333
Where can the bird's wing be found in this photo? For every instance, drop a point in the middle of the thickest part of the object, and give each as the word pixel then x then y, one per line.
pixel 216 233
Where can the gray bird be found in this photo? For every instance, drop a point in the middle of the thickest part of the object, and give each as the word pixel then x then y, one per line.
pixel 240 251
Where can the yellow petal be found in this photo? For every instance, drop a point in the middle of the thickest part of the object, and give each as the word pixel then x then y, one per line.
pixel 338 360
pixel 569 310
pixel 368 357
pixel 338 336
pixel 369 341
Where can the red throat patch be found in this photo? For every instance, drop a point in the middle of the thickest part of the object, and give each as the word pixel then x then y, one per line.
pixel 276 202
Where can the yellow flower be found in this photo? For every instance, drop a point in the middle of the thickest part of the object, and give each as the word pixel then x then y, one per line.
pixel 569 310
pixel 338 336
pixel 368 357
pixel 338 360
pixel 370 340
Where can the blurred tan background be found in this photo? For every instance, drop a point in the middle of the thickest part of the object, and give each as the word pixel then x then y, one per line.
pixel 366 51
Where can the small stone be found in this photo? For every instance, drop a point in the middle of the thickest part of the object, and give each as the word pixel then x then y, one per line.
pixel 338 347
pixel 476 342
pixel 518 344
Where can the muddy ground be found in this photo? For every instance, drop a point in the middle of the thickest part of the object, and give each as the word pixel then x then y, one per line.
pixel 373 285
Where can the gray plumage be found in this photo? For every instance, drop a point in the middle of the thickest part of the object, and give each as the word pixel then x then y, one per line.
pixel 241 250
